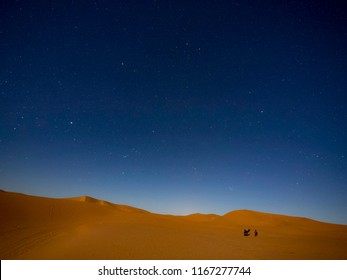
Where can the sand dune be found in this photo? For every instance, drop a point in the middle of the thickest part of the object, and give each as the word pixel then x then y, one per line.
pixel 88 228
pixel 120 207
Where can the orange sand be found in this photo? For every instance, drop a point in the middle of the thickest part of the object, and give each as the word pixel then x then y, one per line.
pixel 87 228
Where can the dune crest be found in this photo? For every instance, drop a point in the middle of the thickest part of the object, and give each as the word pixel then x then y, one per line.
pixel 87 228
pixel 120 207
pixel 86 198
pixel 90 199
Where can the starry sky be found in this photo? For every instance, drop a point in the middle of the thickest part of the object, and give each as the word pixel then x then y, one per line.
pixel 177 106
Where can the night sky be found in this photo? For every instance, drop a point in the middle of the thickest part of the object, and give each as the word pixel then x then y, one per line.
pixel 177 106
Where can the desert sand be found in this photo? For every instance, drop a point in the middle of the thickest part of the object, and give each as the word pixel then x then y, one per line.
pixel 87 228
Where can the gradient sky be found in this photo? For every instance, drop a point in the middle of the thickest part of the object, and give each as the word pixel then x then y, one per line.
pixel 177 106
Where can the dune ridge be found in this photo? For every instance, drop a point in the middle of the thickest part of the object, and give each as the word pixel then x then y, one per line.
pixel 87 228
pixel 120 207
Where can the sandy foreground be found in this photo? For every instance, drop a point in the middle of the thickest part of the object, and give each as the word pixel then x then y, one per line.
pixel 86 228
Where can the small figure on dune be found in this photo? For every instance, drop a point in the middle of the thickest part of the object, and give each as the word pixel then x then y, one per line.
pixel 246 232
pixel 255 232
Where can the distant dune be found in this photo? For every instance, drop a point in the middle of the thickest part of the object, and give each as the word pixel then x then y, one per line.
pixel 88 228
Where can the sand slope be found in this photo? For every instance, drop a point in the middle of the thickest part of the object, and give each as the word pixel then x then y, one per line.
pixel 87 228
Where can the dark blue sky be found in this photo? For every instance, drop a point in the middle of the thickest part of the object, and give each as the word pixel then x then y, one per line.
pixel 177 106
